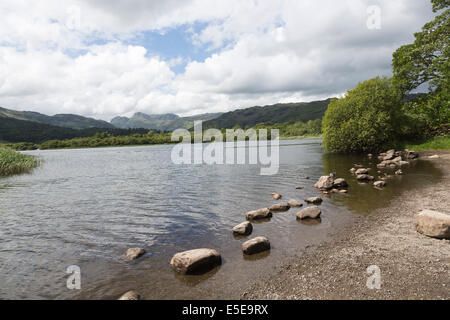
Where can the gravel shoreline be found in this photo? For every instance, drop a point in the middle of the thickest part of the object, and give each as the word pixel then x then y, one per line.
pixel 412 265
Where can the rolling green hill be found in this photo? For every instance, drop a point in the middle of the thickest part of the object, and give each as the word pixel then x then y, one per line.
pixel 62 120
pixel 15 130
pixel 165 122
pixel 271 114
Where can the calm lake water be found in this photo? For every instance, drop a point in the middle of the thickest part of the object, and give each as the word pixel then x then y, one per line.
pixel 85 207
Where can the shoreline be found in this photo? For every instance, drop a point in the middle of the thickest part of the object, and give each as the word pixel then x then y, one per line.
pixel 412 265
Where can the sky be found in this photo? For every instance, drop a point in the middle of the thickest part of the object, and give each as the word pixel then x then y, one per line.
pixel 107 58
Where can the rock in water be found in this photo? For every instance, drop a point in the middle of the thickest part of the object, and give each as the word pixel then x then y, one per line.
pixel 130 295
pixel 243 229
pixel 309 213
pixel 364 177
pixel 256 245
pixel 134 253
pixel 195 261
pixel 379 184
pixel 276 196
pixel 434 157
pixel 278 207
pixel 340 183
pixel 433 224
pixel 399 172
pixel 314 200
pixel 324 183
pixel 362 171
pixel 352 170
pixel 258 214
pixel 295 203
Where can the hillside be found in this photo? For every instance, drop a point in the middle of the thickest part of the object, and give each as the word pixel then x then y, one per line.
pixel 62 120
pixel 165 122
pixel 15 130
pixel 271 114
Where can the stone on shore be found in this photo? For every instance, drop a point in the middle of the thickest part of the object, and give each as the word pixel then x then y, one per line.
pixel 258 214
pixel 324 183
pixel 433 224
pixel 283 206
pixel 314 200
pixel 309 213
pixel 276 196
pixel 379 184
pixel 340 183
pixel 130 295
pixel 255 245
pixel 243 229
pixel 134 253
pixel 295 203
pixel 195 261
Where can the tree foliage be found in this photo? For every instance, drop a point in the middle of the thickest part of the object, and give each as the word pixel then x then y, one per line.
pixel 426 62
pixel 366 119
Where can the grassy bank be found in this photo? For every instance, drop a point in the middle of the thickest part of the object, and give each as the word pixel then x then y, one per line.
pixel 435 143
pixel 12 162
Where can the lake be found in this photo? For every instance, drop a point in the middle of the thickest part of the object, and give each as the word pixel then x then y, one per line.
pixel 85 207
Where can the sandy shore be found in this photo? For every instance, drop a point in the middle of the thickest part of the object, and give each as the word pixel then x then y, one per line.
pixel 412 266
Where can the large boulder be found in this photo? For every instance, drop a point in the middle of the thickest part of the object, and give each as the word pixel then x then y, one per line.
pixel 130 295
pixel 195 261
pixel 309 213
pixel 258 214
pixel 314 200
pixel 256 245
pixel 340 183
pixel 433 224
pixel 324 183
pixel 279 207
pixel 295 203
pixel 134 253
pixel 243 229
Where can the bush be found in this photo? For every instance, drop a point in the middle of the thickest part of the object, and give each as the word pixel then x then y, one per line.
pixel 365 120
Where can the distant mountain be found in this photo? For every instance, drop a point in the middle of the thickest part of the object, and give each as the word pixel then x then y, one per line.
pixel 62 120
pixel 15 130
pixel 165 122
pixel 271 114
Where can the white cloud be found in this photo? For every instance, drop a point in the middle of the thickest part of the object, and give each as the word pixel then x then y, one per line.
pixel 265 52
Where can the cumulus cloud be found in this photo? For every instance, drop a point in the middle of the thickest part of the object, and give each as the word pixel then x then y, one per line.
pixel 72 56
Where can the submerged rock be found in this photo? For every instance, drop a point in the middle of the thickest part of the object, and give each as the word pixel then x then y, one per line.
pixel 256 245
pixel 243 229
pixel 258 214
pixel 434 157
pixel 309 213
pixel 433 224
pixel 284 206
pixel 134 253
pixel 195 261
pixel 324 183
pixel 276 196
pixel 314 200
pixel 295 203
pixel 130 295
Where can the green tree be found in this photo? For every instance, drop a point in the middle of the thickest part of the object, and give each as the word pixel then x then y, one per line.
pixel 364 120
pixel 426 62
